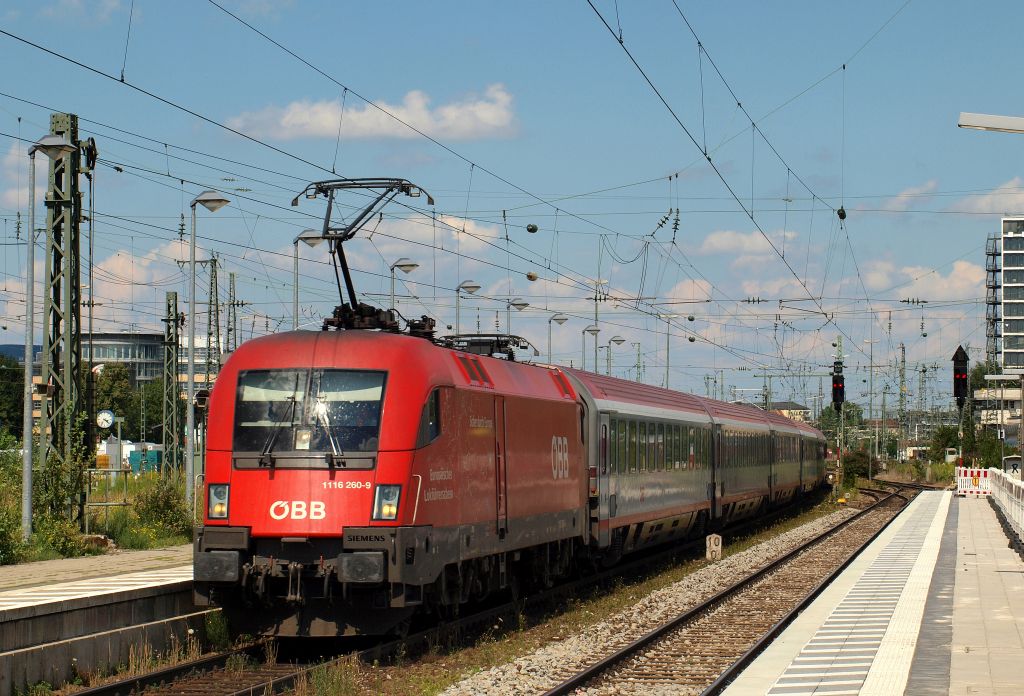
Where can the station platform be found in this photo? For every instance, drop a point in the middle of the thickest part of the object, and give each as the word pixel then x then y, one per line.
pixel 25 575
pixel 91 612
pixel 935 605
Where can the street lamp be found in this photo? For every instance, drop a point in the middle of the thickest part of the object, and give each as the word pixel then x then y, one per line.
pixel 520 304
pixel 470 286
pixel 617 340
pixel 54 147
pixel 988 122
pixel 405 266
pixel 668 335
pixel 212 201
pixel 558 319
pixel 593 331
pixel 311 237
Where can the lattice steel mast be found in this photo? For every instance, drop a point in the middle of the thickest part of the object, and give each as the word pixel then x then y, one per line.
pixel 172 400
pixel 62 297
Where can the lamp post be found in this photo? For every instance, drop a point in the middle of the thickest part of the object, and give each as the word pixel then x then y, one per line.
pixel 617 340
pixel 405 266
pixel 871 396
pixel 54 147
pixel 559 319
pixel 668 335
pixel 520 304
pixel 470 286
pixel 593 330
pixel 212 201
pixel 311 237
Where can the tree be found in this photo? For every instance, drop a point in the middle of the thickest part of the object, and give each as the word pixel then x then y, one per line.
pixel 989 450
pixel 942 437
pixel 855 464
pixel 114 391
pixel 12 380
pixel 828 421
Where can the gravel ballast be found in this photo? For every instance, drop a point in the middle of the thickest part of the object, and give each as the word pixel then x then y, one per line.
pixel 549 665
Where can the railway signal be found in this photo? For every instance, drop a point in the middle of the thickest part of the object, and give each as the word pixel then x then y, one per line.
pixel 838 386
pixel 961 383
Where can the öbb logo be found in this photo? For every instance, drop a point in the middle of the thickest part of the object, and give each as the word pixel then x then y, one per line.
pixel 298 510
pixel 559 457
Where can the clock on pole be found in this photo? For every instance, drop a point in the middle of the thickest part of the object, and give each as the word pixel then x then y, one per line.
pixel 105 418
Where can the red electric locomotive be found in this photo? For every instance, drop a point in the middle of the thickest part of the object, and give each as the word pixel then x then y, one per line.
pixel 354 475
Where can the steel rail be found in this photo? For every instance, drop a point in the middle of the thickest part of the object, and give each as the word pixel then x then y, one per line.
pixel 583 677
pixel 167 675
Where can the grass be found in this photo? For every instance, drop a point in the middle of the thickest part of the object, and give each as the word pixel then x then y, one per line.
pixel 441 667
pixel 153 515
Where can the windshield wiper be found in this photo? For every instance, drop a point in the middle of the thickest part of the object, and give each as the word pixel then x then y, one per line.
pixel 325 421
pixel 266 454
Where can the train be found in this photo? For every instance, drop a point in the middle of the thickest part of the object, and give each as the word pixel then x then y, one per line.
pixel 358 478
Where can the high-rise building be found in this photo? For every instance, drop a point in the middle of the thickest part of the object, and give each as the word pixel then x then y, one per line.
pixel 1012 296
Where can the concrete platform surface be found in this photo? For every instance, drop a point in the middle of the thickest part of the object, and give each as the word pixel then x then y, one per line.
pixel 23 575
pixel 934 606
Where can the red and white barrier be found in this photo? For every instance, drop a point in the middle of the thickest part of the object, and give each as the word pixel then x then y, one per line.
pixel 973 482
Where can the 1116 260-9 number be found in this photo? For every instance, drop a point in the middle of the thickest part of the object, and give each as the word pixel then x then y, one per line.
pixel 358 485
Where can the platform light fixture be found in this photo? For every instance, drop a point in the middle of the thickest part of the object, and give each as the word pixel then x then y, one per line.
pixel 212 201
pixel 617 340
pixel 311 238
pixel 405 266
pixel 593 330
pixel 520 304
pixel 558 319
pixel 468 286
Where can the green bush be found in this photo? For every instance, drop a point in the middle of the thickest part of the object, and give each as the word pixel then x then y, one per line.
pixel 12 549
pixel 61 535
pixel 163 505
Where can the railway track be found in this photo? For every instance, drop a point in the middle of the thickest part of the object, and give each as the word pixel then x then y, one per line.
pixel 250 670
pixel 701 650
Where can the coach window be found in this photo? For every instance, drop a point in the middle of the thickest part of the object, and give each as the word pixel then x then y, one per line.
pixel 631 453
pixel 620 447
pixel 677 448
pixel 430 420
pixel 641 447
pixel 609 445
pixel 659 447
pixel 652 454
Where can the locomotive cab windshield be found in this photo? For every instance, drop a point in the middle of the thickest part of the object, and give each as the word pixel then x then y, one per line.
pixel 298 418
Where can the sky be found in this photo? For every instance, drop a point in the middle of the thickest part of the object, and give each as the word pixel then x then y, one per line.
pixel 686 160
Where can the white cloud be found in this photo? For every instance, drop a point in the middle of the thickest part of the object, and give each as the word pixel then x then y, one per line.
pixel 964 280
pixel 904 199
pixel 14 175
pixel 879 275
pixel 475 117
pixel 689 290
pixel 98 11
pixel 1006 198
pixel 745 243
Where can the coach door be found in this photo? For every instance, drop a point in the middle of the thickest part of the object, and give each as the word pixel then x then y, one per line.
pixel 606 457
pixel 500 467
pixel 717 486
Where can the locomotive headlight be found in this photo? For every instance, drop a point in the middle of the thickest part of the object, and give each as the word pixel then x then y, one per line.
pixel 385 502
pixel 217 501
